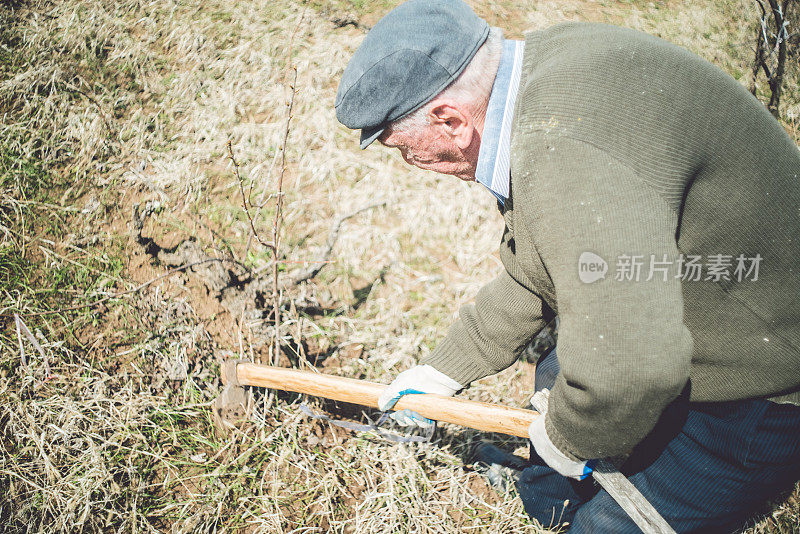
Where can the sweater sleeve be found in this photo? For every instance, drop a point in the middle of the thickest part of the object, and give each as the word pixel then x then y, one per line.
pixel 490 334
pixel 623 348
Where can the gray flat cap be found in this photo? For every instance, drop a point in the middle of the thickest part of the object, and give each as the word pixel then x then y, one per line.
pixel 406 59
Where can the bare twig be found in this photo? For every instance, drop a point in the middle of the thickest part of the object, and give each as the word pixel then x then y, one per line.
pixel 771 48
pixel 758 61
pixel 333 236
pixel 245 202
pixel 261 203
pixel 781 35
pixel 276 304
pixel 276 224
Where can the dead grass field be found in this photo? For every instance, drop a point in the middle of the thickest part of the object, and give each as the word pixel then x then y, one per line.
pixel 114 106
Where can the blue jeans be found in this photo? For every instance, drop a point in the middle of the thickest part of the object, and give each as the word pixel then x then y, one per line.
pixel 705 467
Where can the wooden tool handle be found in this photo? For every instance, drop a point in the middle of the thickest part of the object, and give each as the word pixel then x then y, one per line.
pixel 472 414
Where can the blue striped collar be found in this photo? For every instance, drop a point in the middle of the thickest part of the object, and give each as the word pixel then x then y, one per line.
pixel 494 158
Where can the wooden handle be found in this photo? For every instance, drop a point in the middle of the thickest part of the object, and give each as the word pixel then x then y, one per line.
pixel 472 414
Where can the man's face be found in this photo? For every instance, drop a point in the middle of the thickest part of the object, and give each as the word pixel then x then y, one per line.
pixel 431 148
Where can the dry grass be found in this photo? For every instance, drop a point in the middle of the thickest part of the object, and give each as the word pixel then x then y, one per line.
pixel 114 104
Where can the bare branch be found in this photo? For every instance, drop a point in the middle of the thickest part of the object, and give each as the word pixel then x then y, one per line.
pixel 771 49
pixel 778 15
pixel 272 246
pixel 277 222
pixel 758 61
pixel 261 203
pixel 333 236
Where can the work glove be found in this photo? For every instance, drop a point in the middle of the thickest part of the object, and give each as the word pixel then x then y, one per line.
pixel 545 448
pixel 418 379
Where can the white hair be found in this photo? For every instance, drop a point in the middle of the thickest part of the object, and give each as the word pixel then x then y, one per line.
pixel 472 87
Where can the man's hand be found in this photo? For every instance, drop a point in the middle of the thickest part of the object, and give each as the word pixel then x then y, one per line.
pixel 418 379
pixel 545 448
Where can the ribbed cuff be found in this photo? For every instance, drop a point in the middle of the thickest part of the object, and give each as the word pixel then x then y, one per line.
pixel 451 359
pixel 558 440
pixel 791 398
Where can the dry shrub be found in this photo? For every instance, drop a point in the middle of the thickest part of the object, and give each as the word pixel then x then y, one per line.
pixel 130 102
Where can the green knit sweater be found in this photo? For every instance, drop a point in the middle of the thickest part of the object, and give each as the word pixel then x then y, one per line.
pixel 625 145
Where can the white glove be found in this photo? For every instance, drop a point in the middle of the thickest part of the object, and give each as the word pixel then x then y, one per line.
pixel 418 379
pixel 545 448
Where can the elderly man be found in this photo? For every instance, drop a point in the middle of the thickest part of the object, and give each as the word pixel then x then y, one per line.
pixel 652 204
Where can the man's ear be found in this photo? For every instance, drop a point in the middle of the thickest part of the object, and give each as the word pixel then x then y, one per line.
pixel 454 119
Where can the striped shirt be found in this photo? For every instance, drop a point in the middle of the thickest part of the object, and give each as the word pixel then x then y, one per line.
pixel 494 156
